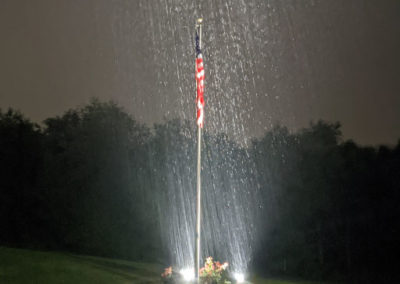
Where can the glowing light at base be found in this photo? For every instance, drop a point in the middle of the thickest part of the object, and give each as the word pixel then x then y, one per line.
pixel 187 274
pixel 239 277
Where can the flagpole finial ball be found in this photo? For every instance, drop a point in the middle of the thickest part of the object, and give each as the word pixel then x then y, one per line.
pixel 199 20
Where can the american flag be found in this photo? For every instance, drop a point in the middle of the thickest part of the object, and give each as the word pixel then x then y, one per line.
pixel 199 83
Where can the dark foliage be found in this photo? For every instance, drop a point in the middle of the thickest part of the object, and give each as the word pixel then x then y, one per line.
pixel 331 206
pixel 87 182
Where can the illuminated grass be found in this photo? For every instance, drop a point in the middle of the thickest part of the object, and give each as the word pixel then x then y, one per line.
pixel 28 266
pixel 258 280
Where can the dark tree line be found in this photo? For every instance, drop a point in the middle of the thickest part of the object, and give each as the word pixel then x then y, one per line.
pixel 332 205
pixel 72 184
pixel 87 182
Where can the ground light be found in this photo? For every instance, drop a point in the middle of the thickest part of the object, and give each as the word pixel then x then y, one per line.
pixel 187 274
pixel 239 277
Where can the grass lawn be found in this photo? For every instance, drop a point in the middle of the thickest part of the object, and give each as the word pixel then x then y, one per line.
pixel 257 280
pixel 27 266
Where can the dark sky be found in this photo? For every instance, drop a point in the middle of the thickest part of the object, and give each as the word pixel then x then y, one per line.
pixel 267 62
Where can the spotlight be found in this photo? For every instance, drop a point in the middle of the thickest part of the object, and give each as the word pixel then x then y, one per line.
pixel 187 274
pixel 239 277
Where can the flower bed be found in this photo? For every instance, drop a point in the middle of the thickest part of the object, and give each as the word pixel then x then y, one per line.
pixel 213 272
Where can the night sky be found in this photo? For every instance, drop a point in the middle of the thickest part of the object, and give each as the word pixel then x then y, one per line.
pixel 283 61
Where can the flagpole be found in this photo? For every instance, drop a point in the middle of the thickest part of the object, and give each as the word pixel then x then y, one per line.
pixel 198 206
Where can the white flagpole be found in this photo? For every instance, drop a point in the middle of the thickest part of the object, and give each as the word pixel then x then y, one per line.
pixel 198 206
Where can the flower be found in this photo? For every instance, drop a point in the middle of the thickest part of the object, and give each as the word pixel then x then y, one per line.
pixel 167 272
pixel 209 260
pixel 213 272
